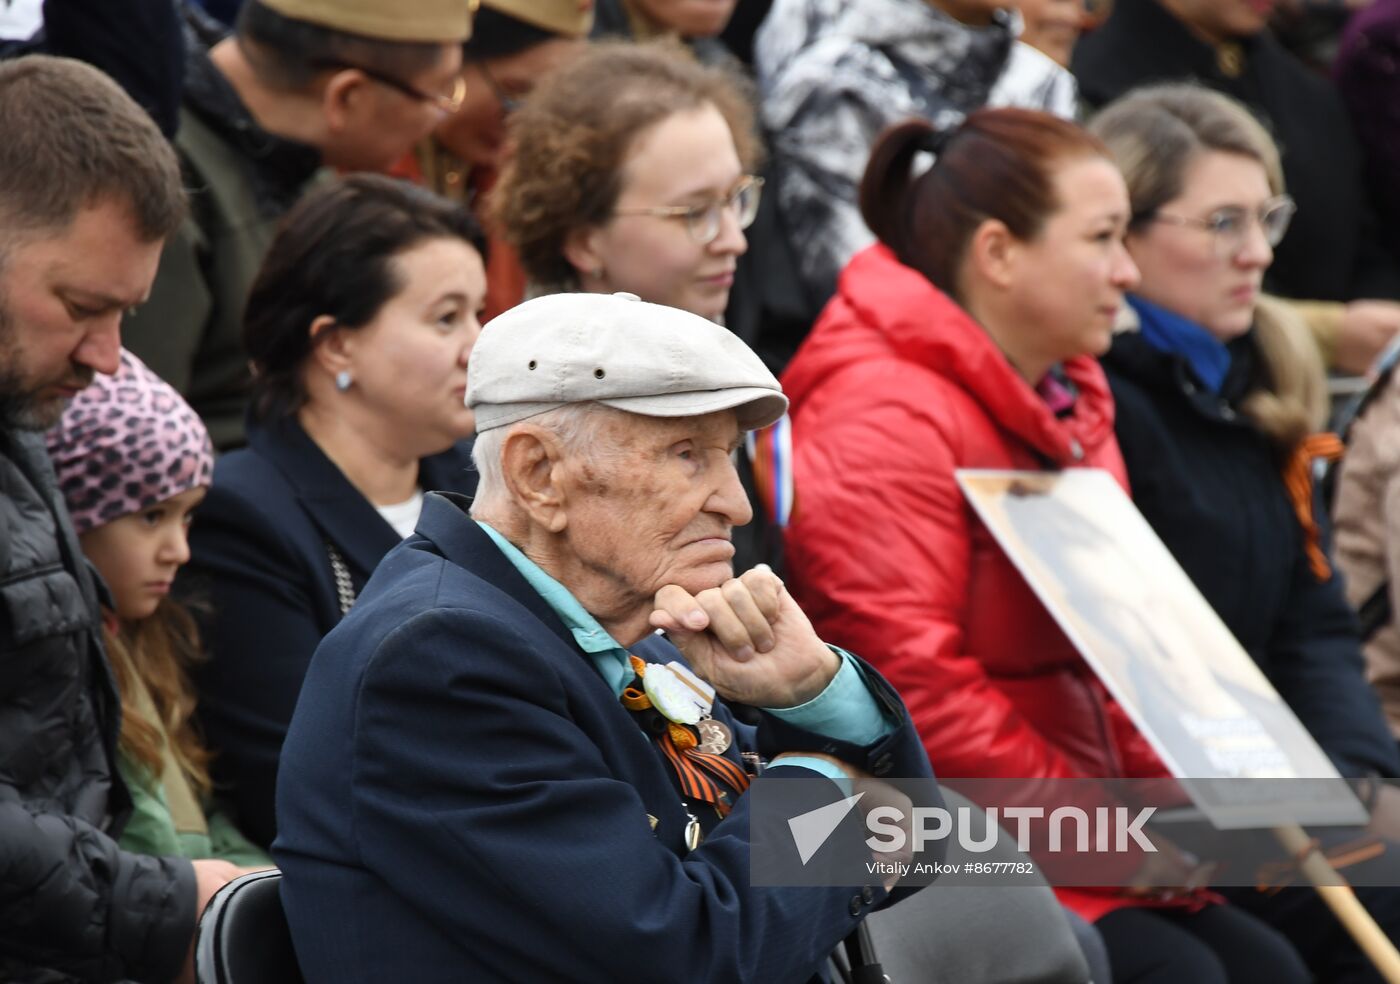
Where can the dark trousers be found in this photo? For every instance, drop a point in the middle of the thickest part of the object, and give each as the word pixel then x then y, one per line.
pixel 1302 916
pixel 1218 945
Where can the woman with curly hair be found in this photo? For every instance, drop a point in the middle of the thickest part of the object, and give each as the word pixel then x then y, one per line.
pixel 633 172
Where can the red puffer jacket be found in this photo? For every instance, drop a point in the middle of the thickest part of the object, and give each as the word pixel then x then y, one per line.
pixel 895 388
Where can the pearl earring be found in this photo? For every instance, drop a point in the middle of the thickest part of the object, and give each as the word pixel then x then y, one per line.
pixel 342 380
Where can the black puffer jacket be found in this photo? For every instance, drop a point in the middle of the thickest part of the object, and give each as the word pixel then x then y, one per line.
pixel 72 904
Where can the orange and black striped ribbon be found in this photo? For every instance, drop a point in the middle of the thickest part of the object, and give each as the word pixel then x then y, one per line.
pixel 692 766
pixel 1298 481
pixel 679 743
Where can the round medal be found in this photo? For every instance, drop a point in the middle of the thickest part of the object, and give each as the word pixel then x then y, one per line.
pixel 715 736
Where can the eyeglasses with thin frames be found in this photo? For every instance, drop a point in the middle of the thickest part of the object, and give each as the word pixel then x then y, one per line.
pixel 1230 226
pixel 703 222
pixel 444 103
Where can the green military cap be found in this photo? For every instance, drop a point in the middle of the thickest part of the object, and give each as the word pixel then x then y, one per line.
pixel 442 21
pixel 570 18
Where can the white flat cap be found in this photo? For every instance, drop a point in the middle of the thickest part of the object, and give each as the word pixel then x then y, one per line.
pixel 619 351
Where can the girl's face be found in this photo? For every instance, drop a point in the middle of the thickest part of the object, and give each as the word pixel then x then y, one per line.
pixel 1053 26
pixel 689 18
pixel 139 553
pixel 687 159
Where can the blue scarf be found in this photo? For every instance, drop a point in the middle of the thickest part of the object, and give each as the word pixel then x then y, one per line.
pixel 1168 331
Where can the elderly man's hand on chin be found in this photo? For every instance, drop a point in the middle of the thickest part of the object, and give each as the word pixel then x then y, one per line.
pixel 749 639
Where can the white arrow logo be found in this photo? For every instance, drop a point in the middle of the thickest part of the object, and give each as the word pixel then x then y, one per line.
pixel 810 830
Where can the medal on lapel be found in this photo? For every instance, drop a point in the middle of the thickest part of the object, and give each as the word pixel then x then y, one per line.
pixel 715 736
pixel 677 693
pixel 674 706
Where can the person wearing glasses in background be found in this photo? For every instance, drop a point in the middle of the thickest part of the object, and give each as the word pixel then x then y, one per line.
pixel 1340 268
pixel 1217 394
pixel 632 170
pixel 514 44
pixel 300 84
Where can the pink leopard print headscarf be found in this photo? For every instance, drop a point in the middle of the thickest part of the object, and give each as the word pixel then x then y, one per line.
pixel 125 443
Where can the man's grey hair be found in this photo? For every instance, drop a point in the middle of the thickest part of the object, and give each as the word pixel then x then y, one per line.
pixel 577 426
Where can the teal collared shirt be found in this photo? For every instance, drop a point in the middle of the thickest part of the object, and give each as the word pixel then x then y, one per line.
pixel 846 710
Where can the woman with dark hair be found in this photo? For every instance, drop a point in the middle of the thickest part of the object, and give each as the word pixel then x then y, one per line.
pixel 1219 392
pixel 966 338
pixel 359 327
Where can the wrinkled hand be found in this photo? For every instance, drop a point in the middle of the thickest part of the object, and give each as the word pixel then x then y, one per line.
pixel 1367 328
pixel 749 639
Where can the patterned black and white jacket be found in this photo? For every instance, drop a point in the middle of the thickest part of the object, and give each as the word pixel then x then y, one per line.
pixel 833 74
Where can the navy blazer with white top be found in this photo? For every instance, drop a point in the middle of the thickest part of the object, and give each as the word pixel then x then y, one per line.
pixel 265 591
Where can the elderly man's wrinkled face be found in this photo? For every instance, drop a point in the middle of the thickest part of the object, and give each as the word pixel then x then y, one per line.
pixel 656 501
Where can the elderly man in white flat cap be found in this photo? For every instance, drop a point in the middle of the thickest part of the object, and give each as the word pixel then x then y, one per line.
pixel 498 769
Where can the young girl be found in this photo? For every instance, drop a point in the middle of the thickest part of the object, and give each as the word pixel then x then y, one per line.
pixel 133 460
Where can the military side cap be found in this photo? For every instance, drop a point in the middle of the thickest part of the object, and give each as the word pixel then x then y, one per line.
pixel 441 21
pixel 569 18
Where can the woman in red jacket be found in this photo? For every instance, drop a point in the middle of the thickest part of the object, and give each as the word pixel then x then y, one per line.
pixel 966 338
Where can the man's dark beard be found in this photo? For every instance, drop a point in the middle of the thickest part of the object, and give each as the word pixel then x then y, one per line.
pixel 19 409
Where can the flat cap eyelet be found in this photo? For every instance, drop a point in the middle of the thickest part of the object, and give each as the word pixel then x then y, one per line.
pixel 598 373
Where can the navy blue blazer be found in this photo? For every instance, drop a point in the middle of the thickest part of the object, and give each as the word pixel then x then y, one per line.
pixel 463 798
pixel 261 581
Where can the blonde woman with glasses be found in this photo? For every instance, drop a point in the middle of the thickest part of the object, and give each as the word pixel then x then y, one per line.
pixel 1218 396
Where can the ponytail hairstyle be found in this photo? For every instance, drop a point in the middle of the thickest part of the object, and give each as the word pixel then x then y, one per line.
pixel 999 164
